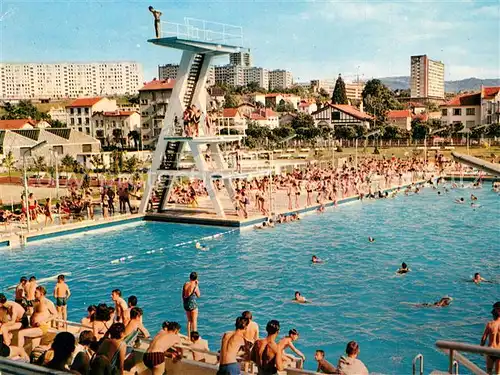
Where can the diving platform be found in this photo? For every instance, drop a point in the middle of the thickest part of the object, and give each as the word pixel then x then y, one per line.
pixel 483 165
pixel 187 126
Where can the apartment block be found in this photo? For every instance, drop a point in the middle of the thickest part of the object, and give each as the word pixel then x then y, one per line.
pixel 280 79
pixel 79 113
pixel 169 71
pixel 427 78
pixel 241 58
pixel 232 75
pixel 257 75
pixel 68 80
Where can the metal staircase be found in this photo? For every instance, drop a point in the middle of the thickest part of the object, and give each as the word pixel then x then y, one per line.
pixel 170 162
pixel 194 75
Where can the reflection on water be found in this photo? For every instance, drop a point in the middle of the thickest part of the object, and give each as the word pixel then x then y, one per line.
pixel 356 294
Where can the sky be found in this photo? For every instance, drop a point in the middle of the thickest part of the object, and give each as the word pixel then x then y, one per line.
pixel 314 39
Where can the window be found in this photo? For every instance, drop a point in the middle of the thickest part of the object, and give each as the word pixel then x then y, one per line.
pixel 79 111
pixel 336 115
pixel 58 149
pixel 87 121
pixel 79 120
pixel 87 130
pixel 457 111
pixel 470 112
pixel 86 111
pixel 72 120
pixel 71 110
pixel 444 112
pixel 79 129
pixel 86 148
pixel 99 133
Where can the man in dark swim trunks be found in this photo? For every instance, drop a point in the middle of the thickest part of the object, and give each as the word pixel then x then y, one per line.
pixel 266 354
pixel 154 358
pixel 232 343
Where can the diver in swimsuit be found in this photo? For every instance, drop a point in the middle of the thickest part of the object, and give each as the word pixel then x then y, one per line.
pixel 404 269
pixel 190 292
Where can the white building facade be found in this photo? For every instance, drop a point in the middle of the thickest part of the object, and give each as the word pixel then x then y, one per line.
pixel 426 78
pixel 115 127
pixel 79 113
pixel 280 79
pixel 232 75
pixel 463 109
pixel 241 58
pixel 257 75
pixel 68 80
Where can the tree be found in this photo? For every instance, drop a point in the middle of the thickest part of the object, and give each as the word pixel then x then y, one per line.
pixel 339 95
pixel 8 162
pixel 419 129
pixel 131 164
pixel 116 161
pixel 39 164
pixel 57 124
pixel 230 101
pixel 493 130
pixel 97 162
pixel 304 126
pixel 117 136
pixel 391 132
pixel 283 132
pixel 345 132
pixel 24 109
pixel 378 100
pixel 136 137
pixel 68 163
pixel 284 106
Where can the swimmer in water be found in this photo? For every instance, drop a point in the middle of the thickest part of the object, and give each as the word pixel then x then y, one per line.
pixel 473 205
pixel 404 269
pixel 201 247
pixel 473 197
pixel 371 239
pixel 300 298
pixel 315 259
pixel 477 279
pixel 443 302
pixel 460 201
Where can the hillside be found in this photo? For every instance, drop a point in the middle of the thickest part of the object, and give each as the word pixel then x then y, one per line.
pixel 468 84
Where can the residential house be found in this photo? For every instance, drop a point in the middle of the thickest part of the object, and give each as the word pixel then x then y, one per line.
pixel 115 127
pixel 79 113
pixel 490 105
pixel 400 118
pixel 265 117
pixel 231 121
pixel 308 107
pixel 26 123
pixel 154 97
pixel 246 108
pixel 272 100
pixel 463 109
pixel 341 115
pixel 286 119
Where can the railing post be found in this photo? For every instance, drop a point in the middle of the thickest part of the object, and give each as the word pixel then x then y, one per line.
pixel 450 362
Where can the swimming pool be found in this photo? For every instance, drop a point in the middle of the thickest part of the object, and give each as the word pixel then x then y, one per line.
pixel 356 294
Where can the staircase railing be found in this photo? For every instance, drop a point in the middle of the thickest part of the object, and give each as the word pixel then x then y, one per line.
pixel 454 349
pixel 420 358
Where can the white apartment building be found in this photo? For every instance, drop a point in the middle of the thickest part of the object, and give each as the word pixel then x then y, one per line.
pixel 354 90
pixel 463 109
pixel 490 105
pixel 232 75
pixel 427 78
pixel 257 75
pixel 241 58
pixel 280 79
pixel 79 113
pixel 115 127
pixel 169 71
pixel 154 97
pixel 68 80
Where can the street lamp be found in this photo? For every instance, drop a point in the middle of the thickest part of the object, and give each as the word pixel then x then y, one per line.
pixel 55 155
pixel 30 150
pixel 425 141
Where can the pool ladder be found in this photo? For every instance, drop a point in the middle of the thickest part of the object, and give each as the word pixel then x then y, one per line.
pixel 420 359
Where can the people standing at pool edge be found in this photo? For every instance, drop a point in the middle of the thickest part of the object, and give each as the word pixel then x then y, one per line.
pixel 61 294
pixel 266 353
pixel 190 292
pixel 492 335
pixel 231 344
pixel 287 342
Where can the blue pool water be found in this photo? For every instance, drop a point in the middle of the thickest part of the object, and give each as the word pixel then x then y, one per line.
pixel 356 294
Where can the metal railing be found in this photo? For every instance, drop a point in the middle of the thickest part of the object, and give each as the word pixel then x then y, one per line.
pixel 10 367
pixel 203 30
pixel 453 349
pixel 418 357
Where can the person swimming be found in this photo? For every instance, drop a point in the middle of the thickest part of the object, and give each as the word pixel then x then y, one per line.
pixel 443 302
pixel 299 298
pixel 371 239
pixel 201 247
pixel 460 201
pixel 315 259
pixel 477 279
pixel 404 269
pixel 473 197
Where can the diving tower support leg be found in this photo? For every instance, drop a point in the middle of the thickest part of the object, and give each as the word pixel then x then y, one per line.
pixel 209 184
pixel 221 164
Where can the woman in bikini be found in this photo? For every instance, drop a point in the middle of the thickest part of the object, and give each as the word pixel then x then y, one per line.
pixel 190 292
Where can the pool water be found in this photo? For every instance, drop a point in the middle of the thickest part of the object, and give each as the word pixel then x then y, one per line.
pixel 355 295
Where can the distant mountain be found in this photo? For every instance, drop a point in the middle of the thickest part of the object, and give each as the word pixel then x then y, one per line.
pixel 468 84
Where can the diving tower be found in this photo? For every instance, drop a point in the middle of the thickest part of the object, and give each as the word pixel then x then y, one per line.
pixel 200 41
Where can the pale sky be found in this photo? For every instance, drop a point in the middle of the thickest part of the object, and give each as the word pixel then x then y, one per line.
pixel 313 39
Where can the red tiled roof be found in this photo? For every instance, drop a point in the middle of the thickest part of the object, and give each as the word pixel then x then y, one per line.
pixel 490 92
pixel 15 124
pixel 279 94
pixel 405 113
pixel 163 84
pixel 230 112
pixel 256 116
pixel 353 111
pixel 464 100
pixel 84 102
pixel 421 117
pixel 304 104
